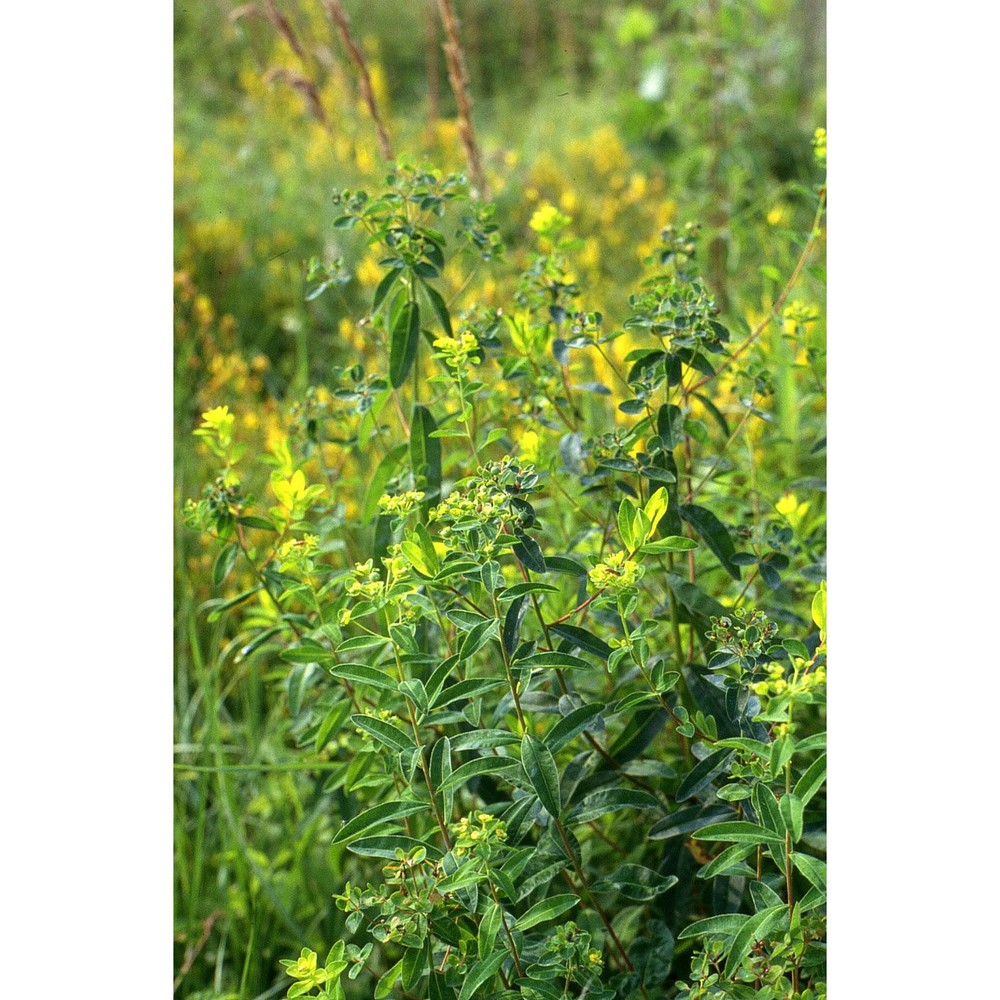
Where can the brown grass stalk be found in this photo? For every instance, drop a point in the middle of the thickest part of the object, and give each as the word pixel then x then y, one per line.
pixel 339 17
pixel 458 77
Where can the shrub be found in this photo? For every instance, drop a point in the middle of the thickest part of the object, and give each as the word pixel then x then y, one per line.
pixel 553 620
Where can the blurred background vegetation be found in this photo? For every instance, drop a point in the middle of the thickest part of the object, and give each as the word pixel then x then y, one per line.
pixel 625 116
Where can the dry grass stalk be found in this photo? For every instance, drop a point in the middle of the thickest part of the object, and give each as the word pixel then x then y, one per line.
pixel 339 17
pixel 303 85
pixel 458 77
pixel 285 29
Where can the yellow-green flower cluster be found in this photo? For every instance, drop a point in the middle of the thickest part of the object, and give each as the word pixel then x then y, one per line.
pixel 777 684
pixel 304 969
pixel 458 352
pixel 616 573
pixel 478 833
pixel 296 555
pixel 401 504
pixel 481 503
pixel 801 313
pixel 819 145
pixel 366 582
pixel 548 220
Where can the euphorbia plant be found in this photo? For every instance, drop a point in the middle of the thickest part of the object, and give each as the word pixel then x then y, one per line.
pixel 563 656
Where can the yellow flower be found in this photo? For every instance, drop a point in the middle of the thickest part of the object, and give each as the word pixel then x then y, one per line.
pixel 548 220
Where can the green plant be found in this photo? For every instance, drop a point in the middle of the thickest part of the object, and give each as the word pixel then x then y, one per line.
pixel 566 656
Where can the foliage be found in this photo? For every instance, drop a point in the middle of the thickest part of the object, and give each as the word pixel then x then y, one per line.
pixel 500 601
pixel 531 663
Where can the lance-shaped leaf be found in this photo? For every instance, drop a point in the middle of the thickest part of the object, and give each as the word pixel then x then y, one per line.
pixel 481 973
pixel 571 726
pixel 403 340
pixel 547 909
pixel 378 815
pixel 540 767
pixel 385 733
pixel 425 456
pixel 715 533
pixel 385 846
pixel 636 882
pixel 754 929
pixel 582 639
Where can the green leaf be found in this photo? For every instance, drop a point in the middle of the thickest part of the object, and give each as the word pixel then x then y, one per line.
pixel 404 338
pixel 547 909
pixel 729 862
pixel 388 280
pixel 540 767
pixel 488 928
pixel 672 543
pixel 767 809
pixel 527 551
pixel 570 726
pixel 466 689
pixel 384 471
pixel 755 928
pixel 812 868
pixel 358 673
pixel 387 980
pixel 722 925
pixel 477 767
pixel 224 563
pixel 481 973
pixel 636 882
pixel 441 769
pixel 378 815
pixel 520 589
pixel 703 773
pixel 627 514
pixel 582 639
pixel 425 456
pixel 439 307
pixel 361 642
pixel 483 739
pixel 386 846
pixel 308 652
pixel 415 962
pixel 249 521
pixel 739 832
pixel 298 678
pixel 385 733
pixel 715 533
pixel 439 990
pixel 477 637
pixel 812 780
pixel 609 800
pixel 791 813
pixel 554 659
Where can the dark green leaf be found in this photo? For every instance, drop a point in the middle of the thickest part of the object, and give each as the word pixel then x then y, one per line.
pixel 540 767
pixel 636 882
pixel 715 534
pixel 582 639
pixel 570 726
pixel 702 774
pixel 425 456
pixel 404 338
